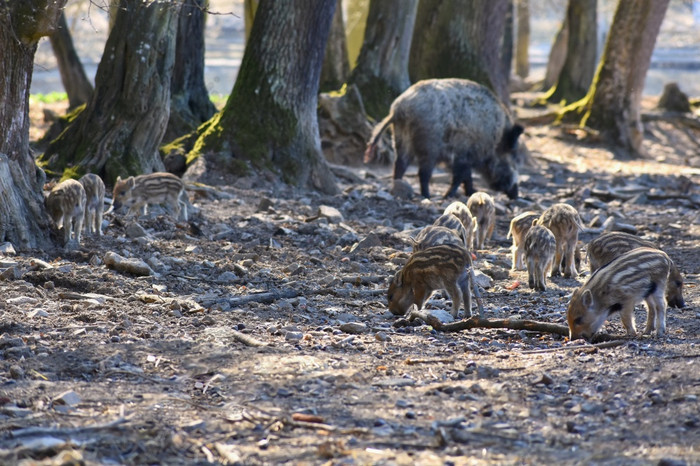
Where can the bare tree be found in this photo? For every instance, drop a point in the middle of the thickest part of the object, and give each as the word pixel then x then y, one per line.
pixel 336 66
pixel 270 117
pixel 190 105
pixel 577 73
pixel 612 104
pixel 76 83
pixel 463 39
pixel 381 73
pixel 23 218
pixel 119 131
pixel 557 55
pixel 522 48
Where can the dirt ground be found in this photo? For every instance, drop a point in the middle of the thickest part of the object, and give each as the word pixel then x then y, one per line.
pixel 263 336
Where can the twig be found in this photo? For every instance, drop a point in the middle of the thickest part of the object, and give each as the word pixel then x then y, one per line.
pixel 413 362
pixel 34 431
pixel 477 322
pixel 604 344
pixel 246 339
pixel 265 298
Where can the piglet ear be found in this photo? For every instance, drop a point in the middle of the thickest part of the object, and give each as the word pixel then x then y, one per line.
pixel 587 298
pixel 119 178
pixel 398 279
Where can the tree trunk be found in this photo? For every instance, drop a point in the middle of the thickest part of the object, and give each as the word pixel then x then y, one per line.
pixel 461 39
pixel 522 49
pixel 119 131
pixel 23 218
pixel 557 55
pixel 73 77
pixel 507 43
pixel 336 67
pixel 190 105
pixel 381 73
pixel 270 117
pixel 612 104
pixel 577 73
pixel 249 9
pixel 355 28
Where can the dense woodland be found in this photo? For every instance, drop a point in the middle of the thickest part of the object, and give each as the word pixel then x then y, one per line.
pixel 257 331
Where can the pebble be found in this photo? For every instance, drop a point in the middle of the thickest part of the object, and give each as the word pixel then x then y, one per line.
pixel 16 372
pixel 293 336
pixel 354 328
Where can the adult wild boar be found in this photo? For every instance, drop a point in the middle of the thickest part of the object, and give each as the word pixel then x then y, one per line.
pixel 455 121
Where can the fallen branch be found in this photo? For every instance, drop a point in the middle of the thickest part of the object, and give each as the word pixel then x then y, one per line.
pixel 34 431
pixel 413 362
pixel 478 322
pixel 246 339
pixel 601 345
pixel 264 298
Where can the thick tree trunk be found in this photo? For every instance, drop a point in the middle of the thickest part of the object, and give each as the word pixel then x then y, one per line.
pixel 461 39
pixel 270 118
pixel 23 218
pixel 75 81
pixel 336 67
pixel 119 131
pixel 612 104
pixel 577 73
pixel 190 105
pixel 381 73
pixel 522 48
pixel 355 28
pixel 557 55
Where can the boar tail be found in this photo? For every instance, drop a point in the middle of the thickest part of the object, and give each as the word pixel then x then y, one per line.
pixel 371 151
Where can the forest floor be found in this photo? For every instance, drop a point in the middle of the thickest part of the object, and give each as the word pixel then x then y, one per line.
pixel 263 336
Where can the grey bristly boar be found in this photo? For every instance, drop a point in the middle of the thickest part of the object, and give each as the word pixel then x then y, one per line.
pixel 608 246
pixel 482 207
pixel 519 227
pixel 454 224
pixel 540 246
pixel 66 206
pixel 435 268
pixel 155 188
pixel 94 205
pixel 635 276
pixel 461 211
pixel 564 221
pixel 456 121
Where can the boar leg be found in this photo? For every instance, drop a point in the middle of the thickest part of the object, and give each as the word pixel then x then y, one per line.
pixel 424 174
pixel 627 316
pixel 557 259
pixel 461 174
pixel 464 286
pixel 401 162
pixel 656 314
pixel 570 267
pixel 456 296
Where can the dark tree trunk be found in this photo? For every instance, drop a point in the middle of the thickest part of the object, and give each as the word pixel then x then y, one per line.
pixel 612 104
pixel 119 131
pixel 270 118
pixel 507 42
pixel 381 73
pixel 336 67
pixel 557 55
pixel 522 48
pixel 461 39
pixel 23 218
pixel 75 81
pixel 577 73
pixel 190 105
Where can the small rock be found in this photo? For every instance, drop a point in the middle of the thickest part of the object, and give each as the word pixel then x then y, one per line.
pixel 68 398
pixel 37 313
pixel 369 241
pixel 227 277
pixel 7 249
pixel 354 328
pixel 401 189
pixel 671 462
pixel 134 230
pixel 442 315
pixel 22 300
pixel 16 372
pixel 482 279
pixel 264 205
pixel 293 336
pixel 331 213
pixel 381 336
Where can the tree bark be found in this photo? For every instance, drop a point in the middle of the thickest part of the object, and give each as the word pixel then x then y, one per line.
pixel 336 67
pixel 461 39
pixel 577 73
pixel 269 120
pixel 23 218
pixel 190 105
pixel 249 9
pixel 121 127
pixel 522 48
pixel 557 55
pixel 612 104
pixel 381 73
pixel 76 83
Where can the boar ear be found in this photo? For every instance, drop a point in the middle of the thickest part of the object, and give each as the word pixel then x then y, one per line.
pixel 130 181
pixel 398 279
pixel 119 178
pixel 587 298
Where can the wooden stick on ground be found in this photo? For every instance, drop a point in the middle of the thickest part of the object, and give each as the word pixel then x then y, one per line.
pixel 478 322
